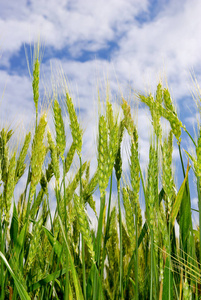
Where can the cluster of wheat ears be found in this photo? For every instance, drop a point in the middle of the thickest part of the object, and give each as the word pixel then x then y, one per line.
pixel 61 255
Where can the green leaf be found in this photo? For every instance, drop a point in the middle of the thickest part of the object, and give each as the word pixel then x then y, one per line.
pixel 46 280
pixel 20 288
pixel 179 197
pixel 167 281
pixel 78 290
pixel 14 226
pixel 55 244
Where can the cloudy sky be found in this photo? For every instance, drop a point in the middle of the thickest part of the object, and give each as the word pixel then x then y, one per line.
pixel 133 43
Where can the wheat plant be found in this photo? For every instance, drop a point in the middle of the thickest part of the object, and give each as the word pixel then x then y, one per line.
pixel 132 250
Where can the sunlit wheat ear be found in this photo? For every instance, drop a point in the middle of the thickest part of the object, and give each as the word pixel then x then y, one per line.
pixel 112 148
pixel 118 159
pixel 163 226
pixel 38 154
pixel 159 97
pixel 128 121
pixel 109 116
pixel 155 106
pixel 102 155
pixel 54 156
pixel 134 166
pixel 84 225
pixel 74 124
pixel 152 182
pixel 168 183
pixel 171 115
pixel 60 129
pixel 129 217
pixel 69 157
pixel 89 190
pixel 10 186
pixel 20 166
pixel 35 82
pixel 113 241
pixel 34 245
pixel 197 164
pixel 4 154
pixel 36 203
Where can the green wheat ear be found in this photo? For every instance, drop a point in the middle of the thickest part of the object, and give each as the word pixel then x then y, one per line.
pixel 54 156
pixel 129 217
pixel 38 154
pixel 168 183
pixel 84 225
pixel 60 129
pixel 102 155
pixel 20 166
pixel 74 124
pixel 10 186
pixel 171 115
pixel 35 83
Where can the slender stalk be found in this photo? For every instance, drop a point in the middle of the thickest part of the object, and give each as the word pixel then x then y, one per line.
pixel 66 230
pixel 2 265
pixel 120 239
pixel 98 245
pixel 136 252
pixel 152 265
pixel 83 243
pixel 199 206
pixel 107 229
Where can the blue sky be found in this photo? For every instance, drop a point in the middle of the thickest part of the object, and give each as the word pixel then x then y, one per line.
pixel 133 43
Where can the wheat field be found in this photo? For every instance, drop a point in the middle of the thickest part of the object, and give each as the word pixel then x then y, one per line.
pixel 60 255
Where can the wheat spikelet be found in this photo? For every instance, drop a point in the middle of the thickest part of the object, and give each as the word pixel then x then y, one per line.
pixel 60 129
pixel 89 190
pixel 38 154
pixel 9 187
pixel 118 160
pixel 102 155
pixel 129 217
pixel 133 199
pixel 162 221
pixel 109 116
pixel 135 167
pixel 84 225
pixel 171 115
pixel 36 204
pixel 159 97
pixel 20 166
pixel 167 179
pixel 54 156
pixel 34 244
pixel 151 192
pixel 35 82
pixel 69 157
pixel 155 106
pixel 128 121
pixel 4 154
pixel 74 125
pixel 74 184
pixel 197 163
pixel 147 100
pixel 113 241
pixel 112 148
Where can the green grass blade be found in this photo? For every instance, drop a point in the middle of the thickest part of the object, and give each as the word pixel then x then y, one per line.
pixel 46 279
pixel 20 288
pixel 14 226
pixel 179 197
pixel 78 290
pixel 55 244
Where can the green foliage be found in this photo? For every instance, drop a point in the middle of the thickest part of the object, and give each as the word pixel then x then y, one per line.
pixel 61 254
